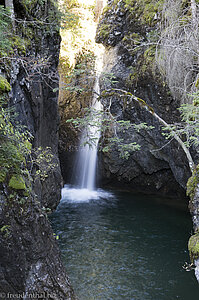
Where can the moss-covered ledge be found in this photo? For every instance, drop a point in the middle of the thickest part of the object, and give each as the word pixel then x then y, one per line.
pixel 192 184
pixel 193 247
pixel 193 193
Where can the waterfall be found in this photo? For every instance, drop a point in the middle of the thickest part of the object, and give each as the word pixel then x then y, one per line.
pixel 83 181
pixel 87 155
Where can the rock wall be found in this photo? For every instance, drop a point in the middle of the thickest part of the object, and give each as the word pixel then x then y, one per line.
pixel 130 32
pixel 30 258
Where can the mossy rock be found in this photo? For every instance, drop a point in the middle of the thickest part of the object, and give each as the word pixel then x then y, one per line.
pixel 193 246
pixel 4 85
pixel 104 30
pixel 192 183
pixel 17 183
pixel 20 44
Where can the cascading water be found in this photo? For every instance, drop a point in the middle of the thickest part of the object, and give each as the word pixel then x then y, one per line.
pixel 84 172
pixel 87 159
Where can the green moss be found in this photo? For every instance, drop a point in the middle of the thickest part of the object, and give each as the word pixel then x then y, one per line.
pixel 144 10
pixel 144 64
pixel 17 183
pixel 19 44
pixel 193 247
pixel 192 183
pixel 104 30
pixel 4 85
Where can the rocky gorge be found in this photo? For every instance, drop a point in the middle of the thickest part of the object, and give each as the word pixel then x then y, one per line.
pixel 141 62
pixel 146 58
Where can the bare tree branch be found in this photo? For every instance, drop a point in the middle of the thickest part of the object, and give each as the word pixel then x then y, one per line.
pixel 145 106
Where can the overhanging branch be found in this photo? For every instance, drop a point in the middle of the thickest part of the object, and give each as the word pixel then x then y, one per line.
pixel 148 108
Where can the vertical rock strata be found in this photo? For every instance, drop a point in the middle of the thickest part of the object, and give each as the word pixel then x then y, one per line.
pixel 30 261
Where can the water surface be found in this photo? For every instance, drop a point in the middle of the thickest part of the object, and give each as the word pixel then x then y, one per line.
pixel 124 247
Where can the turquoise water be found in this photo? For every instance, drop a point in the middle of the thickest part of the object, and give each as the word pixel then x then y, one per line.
pixel 124 247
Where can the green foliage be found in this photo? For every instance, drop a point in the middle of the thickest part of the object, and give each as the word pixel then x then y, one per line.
pixel 189 127
pixel 190 117
pixel 14 145
pixel 124 149
pixel 104 30
pixel 43 160
pixel 10 41
pixel 19 163
pixel 5 30
pixel 108 78
pixel 69 20
pixel 4 85
pixel 69 4
pixel 79 78
pixel 17 183
pixel 111 131
pixel 2 175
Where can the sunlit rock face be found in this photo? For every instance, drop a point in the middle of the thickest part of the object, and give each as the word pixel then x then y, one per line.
pixel 159 166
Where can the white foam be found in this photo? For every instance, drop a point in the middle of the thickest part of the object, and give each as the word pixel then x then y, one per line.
pixel 76 195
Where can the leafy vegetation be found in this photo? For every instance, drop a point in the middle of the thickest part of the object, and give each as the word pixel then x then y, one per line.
pixel 15 147
pixel 5 30
pixel 20 164
pixel 111 131
pixel 189 127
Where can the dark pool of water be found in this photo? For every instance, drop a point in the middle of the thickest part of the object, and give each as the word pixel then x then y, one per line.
pixel 125 247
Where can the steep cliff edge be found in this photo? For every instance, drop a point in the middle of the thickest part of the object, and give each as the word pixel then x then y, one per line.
pixel 30 185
